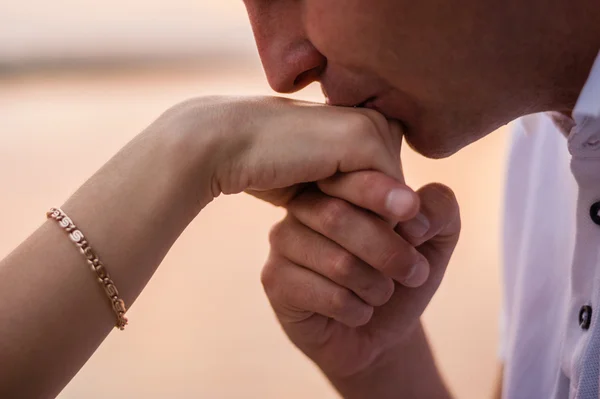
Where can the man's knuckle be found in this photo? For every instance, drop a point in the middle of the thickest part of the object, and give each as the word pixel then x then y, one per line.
pixel 445 193
pixel 388 260
pixel 268 276
pixel 332 216
pixel 444 205
pixel 378 291
pixel 277 233
pixel 345 306
pixel 363 315
pixel 342 264
pixel 341 301
pixel 366 182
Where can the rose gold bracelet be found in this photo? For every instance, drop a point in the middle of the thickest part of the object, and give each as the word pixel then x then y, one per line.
pixel 104 279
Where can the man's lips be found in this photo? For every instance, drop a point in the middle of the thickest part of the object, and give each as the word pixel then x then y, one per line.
pixel 384 104
pixel 376 104
pixel 347 98
pixel 368 103
pixel 371 103
pixel 386 109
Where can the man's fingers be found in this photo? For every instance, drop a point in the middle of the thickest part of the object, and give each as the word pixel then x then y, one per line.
pixel 375 191
pixel 363 234
pixel 313 251
pixel 437 219
pixel 297 293
pixel 437 245
pixel 444 212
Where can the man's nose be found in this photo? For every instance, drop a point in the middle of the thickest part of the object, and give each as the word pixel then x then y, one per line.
pixel 289 59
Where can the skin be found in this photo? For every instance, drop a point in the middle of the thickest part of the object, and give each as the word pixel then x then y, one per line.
pixel 52 311
pixel 451 73
pixel 362 293
pixel 450 80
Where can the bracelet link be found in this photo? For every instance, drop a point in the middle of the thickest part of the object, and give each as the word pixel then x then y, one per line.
pixel 78 238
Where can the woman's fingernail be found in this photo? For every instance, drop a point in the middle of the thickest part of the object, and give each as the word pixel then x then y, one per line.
pixel 418 274
pixel 417 227
pixel 399 201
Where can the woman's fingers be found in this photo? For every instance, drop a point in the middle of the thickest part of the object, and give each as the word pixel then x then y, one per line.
pixel 280 143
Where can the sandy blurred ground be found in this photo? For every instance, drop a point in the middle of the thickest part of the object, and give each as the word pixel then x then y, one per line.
pixel 203 328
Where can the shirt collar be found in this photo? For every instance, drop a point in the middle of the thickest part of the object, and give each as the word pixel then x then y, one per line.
pixel 584 137
pixel 588 104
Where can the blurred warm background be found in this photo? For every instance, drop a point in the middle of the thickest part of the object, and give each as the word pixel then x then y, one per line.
pixel 79 78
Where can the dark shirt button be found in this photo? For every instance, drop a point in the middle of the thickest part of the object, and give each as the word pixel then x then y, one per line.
pixel 594 213
pixel 585 317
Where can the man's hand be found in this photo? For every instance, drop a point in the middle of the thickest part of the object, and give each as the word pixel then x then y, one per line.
pixel 343 281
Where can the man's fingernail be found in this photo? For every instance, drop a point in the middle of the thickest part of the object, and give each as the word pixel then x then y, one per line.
pixel 417 227
pixel 418 274
pixel 399 201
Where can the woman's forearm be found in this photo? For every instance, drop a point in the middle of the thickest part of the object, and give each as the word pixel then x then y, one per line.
pixel 54 314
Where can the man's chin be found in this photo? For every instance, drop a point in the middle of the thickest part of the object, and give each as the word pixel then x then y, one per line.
pixel 432 148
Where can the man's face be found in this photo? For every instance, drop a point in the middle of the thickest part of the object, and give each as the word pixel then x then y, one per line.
pixel 450 71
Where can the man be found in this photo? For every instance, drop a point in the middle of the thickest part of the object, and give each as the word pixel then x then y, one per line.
pixel 339 278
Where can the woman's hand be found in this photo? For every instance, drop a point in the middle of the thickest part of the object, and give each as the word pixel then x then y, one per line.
pixel 134 208
pixel 268 146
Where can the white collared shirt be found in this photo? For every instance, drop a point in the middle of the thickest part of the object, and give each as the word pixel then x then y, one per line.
pixel 550 330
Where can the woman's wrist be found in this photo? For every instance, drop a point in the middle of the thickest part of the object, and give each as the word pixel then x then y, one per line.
pixel 203 141
pixel 131 211
pixel 143 199
pixel 193 141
